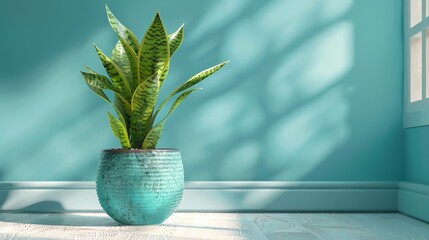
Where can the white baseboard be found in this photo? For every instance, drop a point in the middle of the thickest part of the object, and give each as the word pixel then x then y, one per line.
pixel 214 197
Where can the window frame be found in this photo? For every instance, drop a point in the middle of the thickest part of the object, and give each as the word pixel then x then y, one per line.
pixel 415 113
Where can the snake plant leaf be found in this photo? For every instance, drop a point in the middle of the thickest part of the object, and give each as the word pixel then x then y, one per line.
pixel 125 104
pixel 119 56
pixel 119 131
pixel 164 74
pixel 135 73
pixel 175 39
pixel 133 64
pixel 118 78
pixel 179 100
pixel 97 80
pixel 122 31
pixel 154 53
pixel 190 83
pixel 142 105
pixel 124 108
pixel 101 94
pixel 155 133
pixel 153 136
pixel 199 77
pixel 89 69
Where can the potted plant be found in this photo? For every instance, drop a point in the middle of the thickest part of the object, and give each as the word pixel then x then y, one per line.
pixel 140 184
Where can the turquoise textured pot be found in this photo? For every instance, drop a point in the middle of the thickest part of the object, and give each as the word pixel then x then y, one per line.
pixel 140 187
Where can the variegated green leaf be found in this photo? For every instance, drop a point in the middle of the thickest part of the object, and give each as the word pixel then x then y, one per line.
pixel 175 39
pixel 124 107
pixel 164 74
pixel 155 133
pixel 199 77
pixel 89 69
pixel 125 104
pixel 142 105
pixel 133 63
pixel 190 83
pixel 153 136
pixel 122 31
pixel 119 56
pixel 136 71
pixel 154 53
pixel 118 78
pixel 179 100
pixel 101 94
pixel 97 80
pixel 119 131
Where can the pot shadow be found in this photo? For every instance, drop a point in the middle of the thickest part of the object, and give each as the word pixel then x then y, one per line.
pixel 47 212
pixel 58 219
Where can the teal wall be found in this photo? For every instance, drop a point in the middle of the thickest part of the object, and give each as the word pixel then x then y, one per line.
pixel 312 91
pixel 417 152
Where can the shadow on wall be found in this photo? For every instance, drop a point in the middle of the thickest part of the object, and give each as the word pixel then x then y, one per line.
pixel 272 115
pixel 300 97
pixel 49 131
pixel 38 32
pixel 55 127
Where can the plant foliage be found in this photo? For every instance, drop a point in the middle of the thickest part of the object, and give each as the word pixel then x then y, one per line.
pixel 135 74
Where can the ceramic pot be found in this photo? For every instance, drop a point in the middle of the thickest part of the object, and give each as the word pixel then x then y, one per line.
pixel 140 187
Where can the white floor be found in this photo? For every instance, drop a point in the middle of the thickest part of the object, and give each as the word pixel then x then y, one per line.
pixel 224 226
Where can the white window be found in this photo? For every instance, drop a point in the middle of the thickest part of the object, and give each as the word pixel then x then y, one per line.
pixel 416 84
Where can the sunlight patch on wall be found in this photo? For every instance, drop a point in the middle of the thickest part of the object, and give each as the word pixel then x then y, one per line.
pixel 239 117
pixel 266 36
pixel 302 139
pixel 281 32
pixel 294 78
pixel 220 14
pixel 241 162
pixel 332 9
pixel 312 68
pixel 244 47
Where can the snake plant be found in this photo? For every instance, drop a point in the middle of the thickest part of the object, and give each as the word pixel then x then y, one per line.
pixel 135 74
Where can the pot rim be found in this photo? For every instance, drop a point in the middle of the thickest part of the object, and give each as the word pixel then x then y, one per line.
pixel 136 150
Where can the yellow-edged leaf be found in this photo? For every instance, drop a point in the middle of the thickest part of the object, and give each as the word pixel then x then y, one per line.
pixel 190 83
pixel 119 131
pixel 97 80
pixel 122 31
pixel 155 133
pixel 154 52
pixel 118 78
pixel 175 39
pixel 142 105
pixel 133 64
pixel 119 56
